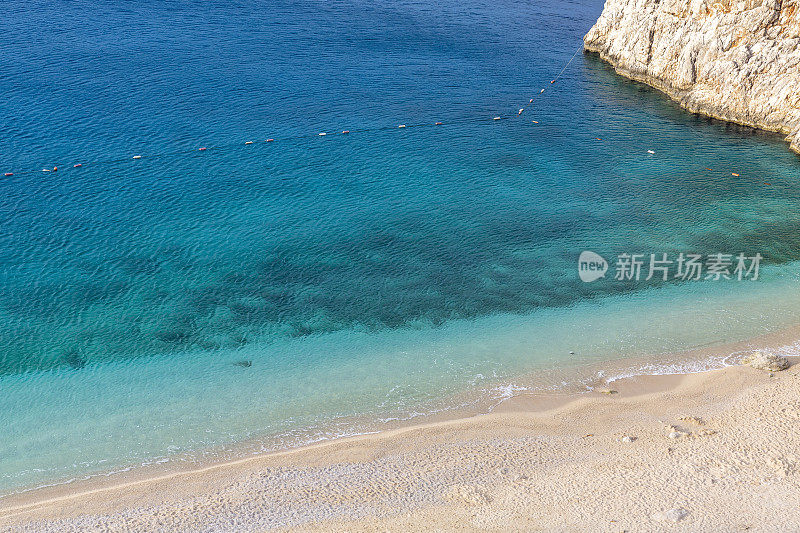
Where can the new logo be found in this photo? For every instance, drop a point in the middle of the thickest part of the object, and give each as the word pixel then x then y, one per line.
pixel 591 266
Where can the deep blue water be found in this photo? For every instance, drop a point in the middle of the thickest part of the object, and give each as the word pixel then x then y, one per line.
pixel 275 252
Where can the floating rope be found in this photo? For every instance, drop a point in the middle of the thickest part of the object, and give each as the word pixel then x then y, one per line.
pixel 568 62
pixel 541 91
pixel 301 136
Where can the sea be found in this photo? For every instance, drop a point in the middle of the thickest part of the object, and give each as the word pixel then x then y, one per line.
pixel 255 295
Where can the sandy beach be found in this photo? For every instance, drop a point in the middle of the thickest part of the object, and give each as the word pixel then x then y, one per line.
pixel 710 451
pixel 399 266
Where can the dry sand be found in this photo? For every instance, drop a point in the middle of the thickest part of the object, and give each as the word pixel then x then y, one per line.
pixel 716 451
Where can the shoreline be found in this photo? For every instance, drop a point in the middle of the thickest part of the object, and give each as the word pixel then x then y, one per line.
pixel 137 483
pixel 554 386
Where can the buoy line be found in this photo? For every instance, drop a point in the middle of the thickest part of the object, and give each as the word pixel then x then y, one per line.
pixel 83 164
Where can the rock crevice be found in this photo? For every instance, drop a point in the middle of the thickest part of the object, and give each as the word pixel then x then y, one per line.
pixel 734 60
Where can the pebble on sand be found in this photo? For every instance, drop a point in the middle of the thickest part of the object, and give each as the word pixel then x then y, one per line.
pixel 673 515
pixel 766 361
pixel 676 432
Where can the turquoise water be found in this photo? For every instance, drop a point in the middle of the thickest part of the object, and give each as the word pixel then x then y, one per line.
pixel 361 277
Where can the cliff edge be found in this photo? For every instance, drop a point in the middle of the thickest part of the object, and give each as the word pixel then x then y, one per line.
pixel 734 60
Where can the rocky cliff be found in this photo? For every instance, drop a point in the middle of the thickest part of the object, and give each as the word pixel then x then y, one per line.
pixel 734 60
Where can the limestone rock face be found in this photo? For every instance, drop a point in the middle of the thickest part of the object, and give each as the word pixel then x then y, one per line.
pixel 734 60
pixel 766 361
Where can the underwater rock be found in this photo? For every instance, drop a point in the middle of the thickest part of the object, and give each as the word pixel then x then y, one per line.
pixel 73 359
pixel 172 336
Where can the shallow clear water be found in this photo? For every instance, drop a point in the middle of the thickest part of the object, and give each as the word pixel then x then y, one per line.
pixel 368 274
